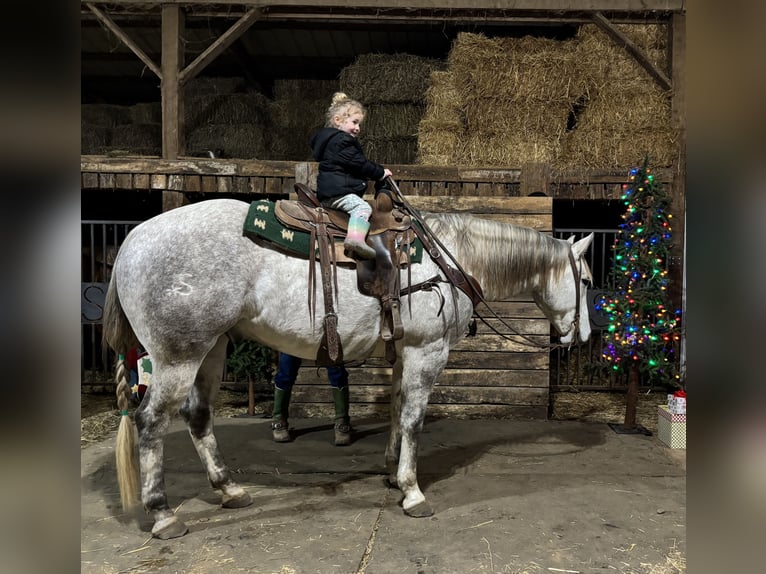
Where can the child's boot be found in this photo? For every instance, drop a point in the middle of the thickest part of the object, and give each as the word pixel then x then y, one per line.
pixel 355 239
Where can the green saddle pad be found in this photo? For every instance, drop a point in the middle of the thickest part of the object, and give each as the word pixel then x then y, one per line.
pixel 262 223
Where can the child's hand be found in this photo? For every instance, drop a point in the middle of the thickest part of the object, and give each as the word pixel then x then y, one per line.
pixel 386 173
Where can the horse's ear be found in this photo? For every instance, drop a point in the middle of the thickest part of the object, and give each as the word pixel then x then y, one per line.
pixel 581 246
pixel 570 239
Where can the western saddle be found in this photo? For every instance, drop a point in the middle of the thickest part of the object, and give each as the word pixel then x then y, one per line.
pixel 392 233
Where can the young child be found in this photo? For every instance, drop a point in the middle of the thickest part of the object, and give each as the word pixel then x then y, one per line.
pixel 344 170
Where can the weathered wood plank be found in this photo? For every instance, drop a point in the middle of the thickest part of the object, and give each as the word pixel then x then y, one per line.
pixel 192 183
pixel 106 180
pixel 141 181
pixel 240 185
pixel 188 166
pixel 359 393
pixel 159 181
pixel 123 181
pixel 223 184
pixel 449 377
pixel 483 205
pixel 176 182
pixel 209 184
pixel 89 180
pixel 381 410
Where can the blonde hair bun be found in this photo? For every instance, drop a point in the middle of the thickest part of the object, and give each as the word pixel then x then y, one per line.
pixel 338 98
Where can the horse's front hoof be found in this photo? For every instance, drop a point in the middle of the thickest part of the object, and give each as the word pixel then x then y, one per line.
pixel 236 501
pixel 421 510
pixel 169 528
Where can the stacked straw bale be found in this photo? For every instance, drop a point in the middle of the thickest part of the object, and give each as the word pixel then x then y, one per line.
pixel 297 111
pixel 112 129
pixel 392 87
pixel 218 116
pixel 626 114
pixel 509 101
pixel 502 101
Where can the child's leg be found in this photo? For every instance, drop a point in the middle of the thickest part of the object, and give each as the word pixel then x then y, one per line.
pixel 358 224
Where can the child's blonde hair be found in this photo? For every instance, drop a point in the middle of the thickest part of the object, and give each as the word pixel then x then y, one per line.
pixel 341 106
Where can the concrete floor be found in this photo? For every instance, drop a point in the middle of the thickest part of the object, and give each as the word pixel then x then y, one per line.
pixel 511 497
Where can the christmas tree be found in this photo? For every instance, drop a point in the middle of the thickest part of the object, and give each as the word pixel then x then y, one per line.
pixel 643 333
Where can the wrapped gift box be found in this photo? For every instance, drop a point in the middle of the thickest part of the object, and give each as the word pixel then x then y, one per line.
pixel 671 428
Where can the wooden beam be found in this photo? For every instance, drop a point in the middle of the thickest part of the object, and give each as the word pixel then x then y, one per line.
pixel 625 42
pixel 172 96
pixel 560 6
pixel 117 31
pixel 216 48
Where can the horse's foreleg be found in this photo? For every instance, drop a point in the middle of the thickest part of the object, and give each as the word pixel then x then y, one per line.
pixel 395 434
pixel 152 419
pixel 197 411
pixel 421 368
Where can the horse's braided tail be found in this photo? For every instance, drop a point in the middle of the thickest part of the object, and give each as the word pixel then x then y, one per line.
pixel 119 335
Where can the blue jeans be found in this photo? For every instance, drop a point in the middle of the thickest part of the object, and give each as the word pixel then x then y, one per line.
pixel 287 372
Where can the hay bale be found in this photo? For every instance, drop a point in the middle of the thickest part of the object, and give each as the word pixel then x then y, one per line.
pixel 440 143
pixel 105 115
pixel 214 86
pixel 93 139
pixel 392 120
pixel 515 69
pixel 240 141
pixel 137 137
pixel 390 150
pixel 146 113
pixel 388 78
pixel 304 89
pixel 601 63
pixel 293 122
pixel 228 109
pixel 625 115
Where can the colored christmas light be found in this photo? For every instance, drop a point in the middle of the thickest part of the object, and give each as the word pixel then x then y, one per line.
pixel 641 327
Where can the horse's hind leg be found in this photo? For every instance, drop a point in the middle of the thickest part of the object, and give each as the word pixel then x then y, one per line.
pixel 395 433
pixel 170 384
pixel 197 411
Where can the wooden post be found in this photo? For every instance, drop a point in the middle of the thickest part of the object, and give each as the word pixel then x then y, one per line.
pixel 535 178
pixel 172 94
pixel 678 204
pixel 631 397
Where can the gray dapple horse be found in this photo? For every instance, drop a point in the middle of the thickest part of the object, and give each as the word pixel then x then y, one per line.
pixel 187 281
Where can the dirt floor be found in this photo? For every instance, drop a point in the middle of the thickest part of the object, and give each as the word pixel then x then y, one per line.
pixel 566 495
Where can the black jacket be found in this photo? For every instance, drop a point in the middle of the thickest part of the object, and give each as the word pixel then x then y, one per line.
pixel 343 169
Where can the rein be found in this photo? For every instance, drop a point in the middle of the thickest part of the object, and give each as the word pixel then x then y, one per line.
pixel 477 296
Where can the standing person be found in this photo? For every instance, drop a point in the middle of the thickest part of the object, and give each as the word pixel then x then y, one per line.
pixel 344 170
pixel 287 372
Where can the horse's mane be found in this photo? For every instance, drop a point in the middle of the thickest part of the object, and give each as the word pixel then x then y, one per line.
pixel 506 259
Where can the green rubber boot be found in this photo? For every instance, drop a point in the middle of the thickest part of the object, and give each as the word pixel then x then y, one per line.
pixel 343 428
pixel 280 431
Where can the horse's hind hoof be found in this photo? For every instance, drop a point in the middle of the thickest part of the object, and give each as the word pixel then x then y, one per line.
pixel 169 528
pixel 422 510
pixel 239 501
